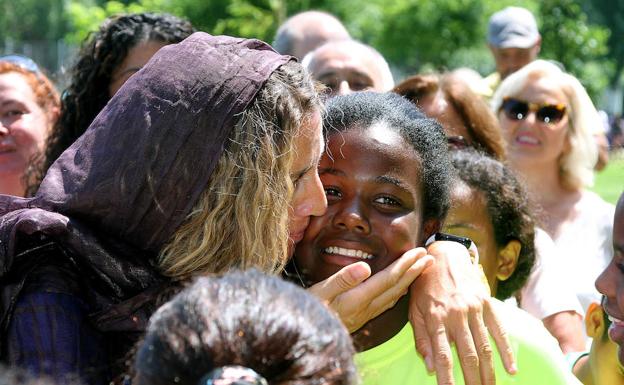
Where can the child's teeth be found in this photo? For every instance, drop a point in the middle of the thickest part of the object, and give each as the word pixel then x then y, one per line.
pixel 348 252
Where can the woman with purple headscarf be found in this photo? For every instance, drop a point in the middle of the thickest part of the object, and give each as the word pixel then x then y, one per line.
pixel 204 161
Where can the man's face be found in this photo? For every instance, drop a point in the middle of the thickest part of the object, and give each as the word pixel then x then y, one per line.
pixel 346 71
pixel 611 283
pixel 509 60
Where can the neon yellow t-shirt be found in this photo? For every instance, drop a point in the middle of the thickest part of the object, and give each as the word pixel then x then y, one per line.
pixel 538 357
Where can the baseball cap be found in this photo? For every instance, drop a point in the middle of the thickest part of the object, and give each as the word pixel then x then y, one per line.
pixel 513 27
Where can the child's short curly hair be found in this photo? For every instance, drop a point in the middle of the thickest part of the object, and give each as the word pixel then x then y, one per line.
pixel 508 208
pixel 424 135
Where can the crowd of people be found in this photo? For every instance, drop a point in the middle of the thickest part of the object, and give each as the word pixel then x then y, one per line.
pixel 198 209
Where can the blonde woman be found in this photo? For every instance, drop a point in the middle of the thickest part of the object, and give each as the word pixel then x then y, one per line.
pixel 204 161
pixel 547 119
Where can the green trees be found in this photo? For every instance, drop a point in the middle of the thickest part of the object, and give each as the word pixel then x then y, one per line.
pixel 414 35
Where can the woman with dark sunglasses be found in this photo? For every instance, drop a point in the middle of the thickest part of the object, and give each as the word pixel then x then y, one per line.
pixel 547 119
pixel 29 106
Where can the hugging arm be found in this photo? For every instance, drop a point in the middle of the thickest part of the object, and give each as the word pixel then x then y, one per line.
pixel 450 303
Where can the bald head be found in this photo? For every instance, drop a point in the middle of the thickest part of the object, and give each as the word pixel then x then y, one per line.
pixel 349 66
pixel 306 31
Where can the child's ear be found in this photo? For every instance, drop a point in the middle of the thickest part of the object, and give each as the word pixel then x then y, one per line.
pixel 594 321
pixel 430 227
pixel 508 259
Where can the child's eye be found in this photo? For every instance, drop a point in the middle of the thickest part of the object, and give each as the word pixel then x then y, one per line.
pixel 387 201
pixel 332 193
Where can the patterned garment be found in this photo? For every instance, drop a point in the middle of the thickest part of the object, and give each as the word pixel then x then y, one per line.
pixel 50 335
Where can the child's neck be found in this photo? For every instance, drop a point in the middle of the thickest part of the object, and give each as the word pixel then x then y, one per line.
pixel 383 327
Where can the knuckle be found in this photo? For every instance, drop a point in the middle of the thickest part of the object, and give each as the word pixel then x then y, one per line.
pixel 470 360
pixel 475 307
pixel 509 352
pixel 421 344
pixel 485 351
pixel 443 359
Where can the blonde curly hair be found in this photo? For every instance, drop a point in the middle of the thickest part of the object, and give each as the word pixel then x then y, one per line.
pixel 241 219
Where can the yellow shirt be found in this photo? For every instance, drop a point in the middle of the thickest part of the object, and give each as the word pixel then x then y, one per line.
pixel 538 357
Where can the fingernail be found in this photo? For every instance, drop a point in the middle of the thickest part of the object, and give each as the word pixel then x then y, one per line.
pixel 429 364
pixel 513 369
pixel 358 274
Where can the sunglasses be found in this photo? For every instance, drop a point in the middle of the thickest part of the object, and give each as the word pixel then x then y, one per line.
pixel 515 109
pixel 22 61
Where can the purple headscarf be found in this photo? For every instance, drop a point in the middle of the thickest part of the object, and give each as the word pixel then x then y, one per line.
pixel 116 196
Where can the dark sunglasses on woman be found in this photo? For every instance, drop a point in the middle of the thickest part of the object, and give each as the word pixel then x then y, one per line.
pixel 547 113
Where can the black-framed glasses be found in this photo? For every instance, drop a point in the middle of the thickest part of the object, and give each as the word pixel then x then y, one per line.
pixel 22 61
pixel 516 109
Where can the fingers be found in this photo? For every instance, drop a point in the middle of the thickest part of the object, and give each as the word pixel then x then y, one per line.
pixel 402 272
pixel 499 334
pixel 468 357
pixel 483 348
pixel 347 278
pixel 389 297
pixel 443 360
pixel 423 342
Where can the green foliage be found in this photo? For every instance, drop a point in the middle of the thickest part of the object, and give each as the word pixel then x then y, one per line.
pixel 610 13
pixel 31 20
pixel 567 37
pixel 85 17
pixel 414 35
pixel 608 183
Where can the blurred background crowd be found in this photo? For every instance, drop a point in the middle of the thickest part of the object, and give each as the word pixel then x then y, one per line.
pixel 414 36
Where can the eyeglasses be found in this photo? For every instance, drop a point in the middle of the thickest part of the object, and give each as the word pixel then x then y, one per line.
pixel 22 61
pixel 516 109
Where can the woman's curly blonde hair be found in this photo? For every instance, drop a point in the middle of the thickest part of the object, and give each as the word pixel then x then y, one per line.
pixel 241 220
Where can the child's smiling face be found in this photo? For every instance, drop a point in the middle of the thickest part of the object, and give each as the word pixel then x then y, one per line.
pixel 372 180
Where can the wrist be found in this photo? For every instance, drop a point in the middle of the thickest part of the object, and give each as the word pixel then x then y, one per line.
pixel 466 242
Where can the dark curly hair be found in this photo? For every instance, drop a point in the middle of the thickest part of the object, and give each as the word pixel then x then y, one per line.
pixel 507 206
pixel 247 319
pixel 364 109
pixel 100 54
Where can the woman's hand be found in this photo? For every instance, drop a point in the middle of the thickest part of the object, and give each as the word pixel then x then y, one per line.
pixel 357 302
pixel 450 303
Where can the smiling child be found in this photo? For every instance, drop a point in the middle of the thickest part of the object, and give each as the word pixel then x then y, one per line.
pixel 386 174
pixel 490 206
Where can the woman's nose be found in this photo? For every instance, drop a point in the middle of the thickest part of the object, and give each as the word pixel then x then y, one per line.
pixel 314 202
